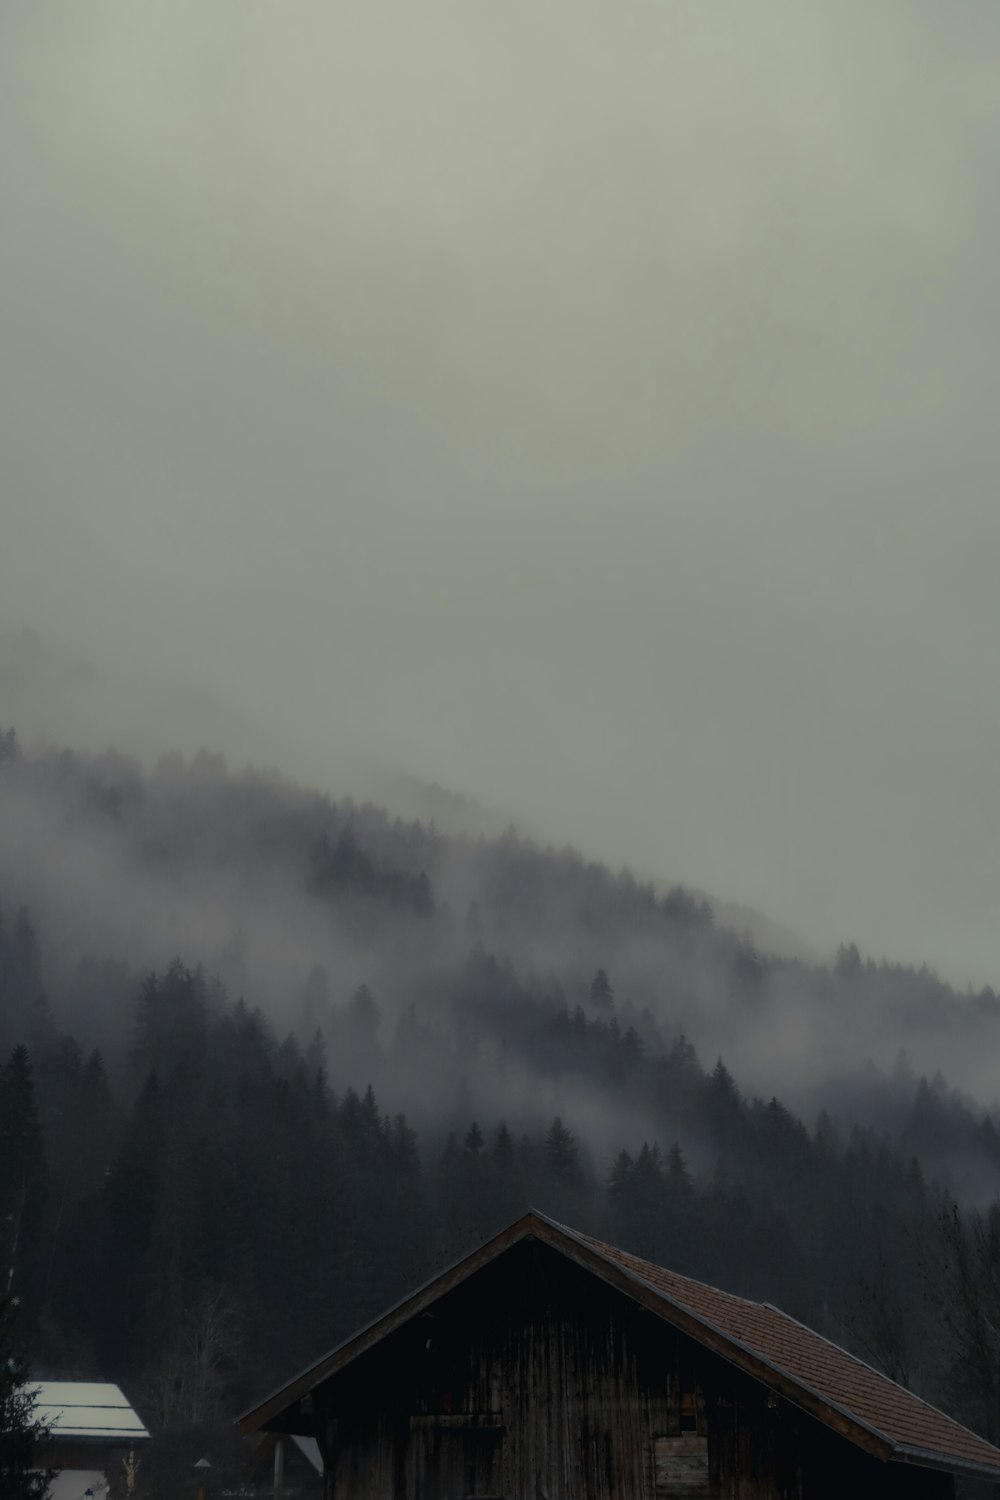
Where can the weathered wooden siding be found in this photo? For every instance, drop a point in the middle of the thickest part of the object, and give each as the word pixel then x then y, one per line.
pixel 534 1382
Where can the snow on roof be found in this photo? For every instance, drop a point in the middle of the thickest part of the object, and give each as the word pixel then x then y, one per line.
pixel 85 1409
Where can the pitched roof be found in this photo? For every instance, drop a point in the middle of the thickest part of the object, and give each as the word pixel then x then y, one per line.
pixel 85 1409
pixel 915 1429
pixel 798 1363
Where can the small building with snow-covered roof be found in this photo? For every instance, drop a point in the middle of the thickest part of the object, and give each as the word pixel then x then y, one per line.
pixel 90 1431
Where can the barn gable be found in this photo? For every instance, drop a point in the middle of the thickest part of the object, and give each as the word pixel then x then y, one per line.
pixel 696 1334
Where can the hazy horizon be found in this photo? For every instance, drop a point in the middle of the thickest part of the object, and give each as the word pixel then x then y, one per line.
pixel 588 410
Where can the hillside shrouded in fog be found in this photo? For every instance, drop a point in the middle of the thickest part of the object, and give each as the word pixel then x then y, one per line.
pixel 590 411
pixel 249 1031
pixel 295 901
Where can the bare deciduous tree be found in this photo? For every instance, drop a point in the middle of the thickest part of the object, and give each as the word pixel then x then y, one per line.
pixel 965 1285
pixel 183 1387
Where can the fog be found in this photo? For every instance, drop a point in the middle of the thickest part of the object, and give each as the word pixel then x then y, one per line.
pixel 586 409
pixel 478 956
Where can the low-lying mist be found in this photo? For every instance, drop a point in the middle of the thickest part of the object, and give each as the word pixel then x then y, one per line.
pixel 469 954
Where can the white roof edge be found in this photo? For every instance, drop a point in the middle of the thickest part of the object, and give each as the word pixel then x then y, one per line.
pixel 86 1408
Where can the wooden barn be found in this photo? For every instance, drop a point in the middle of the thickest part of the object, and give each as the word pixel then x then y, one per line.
pixel 550 1366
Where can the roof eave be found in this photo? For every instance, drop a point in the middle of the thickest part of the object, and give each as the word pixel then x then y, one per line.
pixel 967 1468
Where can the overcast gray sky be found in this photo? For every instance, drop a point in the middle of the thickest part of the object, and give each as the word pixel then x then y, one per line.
pixel 590 407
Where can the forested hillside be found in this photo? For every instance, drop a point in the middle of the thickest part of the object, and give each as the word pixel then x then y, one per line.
pixel 270 1060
